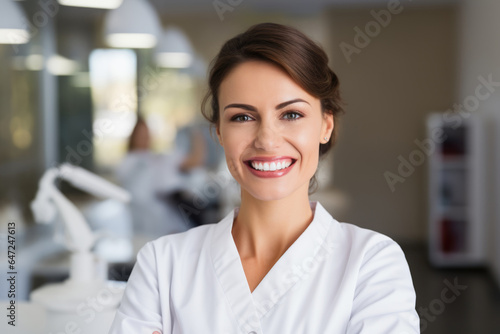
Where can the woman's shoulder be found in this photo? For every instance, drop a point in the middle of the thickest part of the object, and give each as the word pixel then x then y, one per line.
pixel 195 236
pixel 349 233
pixel 357 241
pixel 362 235
pixel 368 244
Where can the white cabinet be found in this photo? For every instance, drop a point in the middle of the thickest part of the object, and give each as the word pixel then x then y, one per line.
pixel 457 220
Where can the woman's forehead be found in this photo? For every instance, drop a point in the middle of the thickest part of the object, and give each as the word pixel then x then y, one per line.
pixel 259 80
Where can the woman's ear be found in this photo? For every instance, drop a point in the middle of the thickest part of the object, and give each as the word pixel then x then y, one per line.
pixel 327 127
pixel 219 136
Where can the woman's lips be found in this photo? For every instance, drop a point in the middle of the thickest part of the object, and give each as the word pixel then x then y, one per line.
pixel 270 165
pixel 274 167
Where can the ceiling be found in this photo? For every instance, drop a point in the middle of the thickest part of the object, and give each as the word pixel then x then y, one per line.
pixel 185 7
pixel 166 6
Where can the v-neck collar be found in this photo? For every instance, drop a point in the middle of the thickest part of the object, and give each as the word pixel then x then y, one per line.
pixel 250 307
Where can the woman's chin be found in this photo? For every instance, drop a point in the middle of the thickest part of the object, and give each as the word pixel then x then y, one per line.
pixel 267 195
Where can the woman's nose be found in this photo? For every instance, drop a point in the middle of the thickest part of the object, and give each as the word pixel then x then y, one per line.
pixel 267 137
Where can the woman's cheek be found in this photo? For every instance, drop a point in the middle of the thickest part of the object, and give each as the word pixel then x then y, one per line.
pixel 230 159
pixel 306 140
pixel 233 157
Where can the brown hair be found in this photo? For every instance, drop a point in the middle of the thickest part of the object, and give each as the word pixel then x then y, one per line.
pixel 302 59
pixel 132 141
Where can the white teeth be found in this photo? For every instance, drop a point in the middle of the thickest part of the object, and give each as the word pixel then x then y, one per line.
pixel 273 166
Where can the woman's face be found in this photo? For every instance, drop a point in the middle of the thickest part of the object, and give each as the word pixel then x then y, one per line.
pixel 270 129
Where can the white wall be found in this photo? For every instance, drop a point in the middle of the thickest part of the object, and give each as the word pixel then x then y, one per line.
pixel 389 87
pixel 479 43
pixel 480 56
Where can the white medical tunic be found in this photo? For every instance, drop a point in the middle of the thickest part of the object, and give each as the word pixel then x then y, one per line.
pixel 335 278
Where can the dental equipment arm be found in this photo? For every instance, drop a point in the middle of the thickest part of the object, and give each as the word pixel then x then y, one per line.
pixel 79 237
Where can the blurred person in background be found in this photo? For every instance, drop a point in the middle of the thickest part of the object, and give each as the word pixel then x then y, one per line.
pixel 202 158
pixel 151 178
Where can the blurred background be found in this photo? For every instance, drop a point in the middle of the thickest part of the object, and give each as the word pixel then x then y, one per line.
pixel 117 91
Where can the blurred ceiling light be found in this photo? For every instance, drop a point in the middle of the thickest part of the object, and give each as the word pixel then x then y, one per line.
pixel 12 23
pixel 105 4
pixel 133 25
pixel 174 49
pixel 32 62
pixel 174 59
pixel 58 65
pixel 132 41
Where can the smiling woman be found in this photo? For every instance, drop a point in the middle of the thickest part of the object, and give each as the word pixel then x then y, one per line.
pixel 278 263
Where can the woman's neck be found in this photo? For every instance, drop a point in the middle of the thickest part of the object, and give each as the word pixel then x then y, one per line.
pixel 263 230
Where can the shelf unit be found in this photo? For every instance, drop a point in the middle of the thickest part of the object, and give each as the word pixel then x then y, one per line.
pixel 457 227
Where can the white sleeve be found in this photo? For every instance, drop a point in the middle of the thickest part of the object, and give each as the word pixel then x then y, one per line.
pixel 384 300
pixel 140 311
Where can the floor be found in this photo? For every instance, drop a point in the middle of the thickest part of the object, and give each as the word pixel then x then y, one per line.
pixel 453 301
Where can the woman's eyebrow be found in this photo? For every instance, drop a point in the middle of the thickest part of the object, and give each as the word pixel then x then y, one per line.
pixel 252 108
pixel 284 104
pixel 241 106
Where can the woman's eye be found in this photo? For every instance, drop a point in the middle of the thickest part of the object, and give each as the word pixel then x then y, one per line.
pixel 241 118
pixel 292 116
